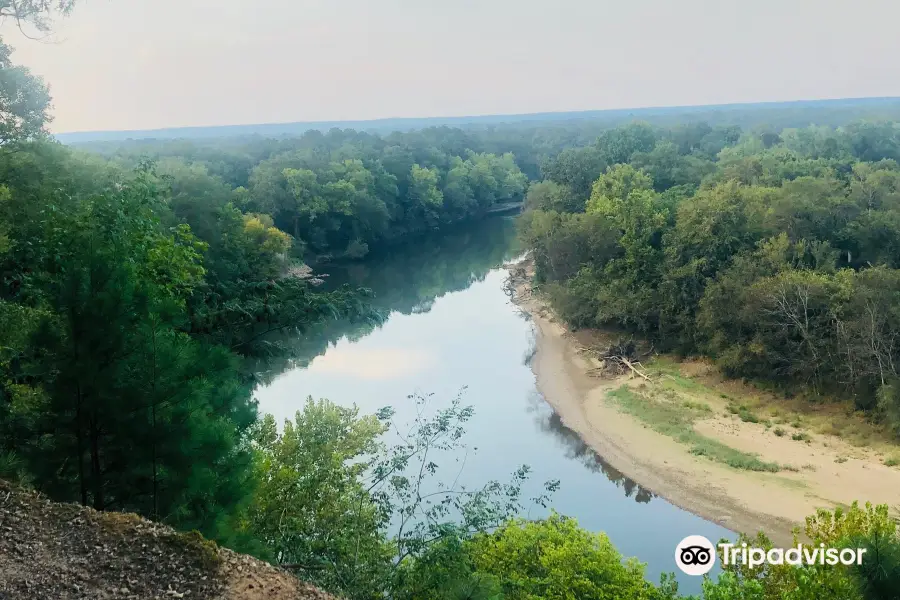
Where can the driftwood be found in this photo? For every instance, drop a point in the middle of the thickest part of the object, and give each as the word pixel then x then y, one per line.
pixel 622 357
pixel 633 368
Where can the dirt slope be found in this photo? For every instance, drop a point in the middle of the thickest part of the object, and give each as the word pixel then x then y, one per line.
pixel 65 552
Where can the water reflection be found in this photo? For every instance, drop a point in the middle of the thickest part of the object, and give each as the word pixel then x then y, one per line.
pixel 406 279
pixel 575 448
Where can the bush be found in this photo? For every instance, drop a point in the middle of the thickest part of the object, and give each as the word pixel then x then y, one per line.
pixel 554 558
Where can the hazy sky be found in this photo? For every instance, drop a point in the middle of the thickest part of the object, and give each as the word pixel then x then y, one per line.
pixel 138 64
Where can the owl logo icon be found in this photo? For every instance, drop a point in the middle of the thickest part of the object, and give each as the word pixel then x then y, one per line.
pixel 695 555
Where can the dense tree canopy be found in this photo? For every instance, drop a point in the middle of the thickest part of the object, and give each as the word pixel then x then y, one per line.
pixel 774 253
pixel 126 335
pixel 341 194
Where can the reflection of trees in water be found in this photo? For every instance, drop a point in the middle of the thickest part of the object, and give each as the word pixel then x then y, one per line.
pixel 576 449
pixel 406 279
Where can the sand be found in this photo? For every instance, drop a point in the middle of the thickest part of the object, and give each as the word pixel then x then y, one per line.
pixel 831 472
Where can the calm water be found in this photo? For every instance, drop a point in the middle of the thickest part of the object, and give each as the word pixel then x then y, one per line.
pixel 451 326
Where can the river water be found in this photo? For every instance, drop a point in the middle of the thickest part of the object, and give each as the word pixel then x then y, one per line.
pixel 451 330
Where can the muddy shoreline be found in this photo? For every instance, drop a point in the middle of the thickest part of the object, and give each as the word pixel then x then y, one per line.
pixel 739 500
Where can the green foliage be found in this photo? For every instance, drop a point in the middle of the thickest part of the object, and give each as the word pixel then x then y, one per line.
pixel 878 576
pixel 854 527
pixel 131 303
pixel 145 418
pixel 35 12
pixel 555 559
pixel 551 196
pixel 668 168
pixel 24 98
pixel 348 511
pixel 775 254
pixel 338 199
pixel 311 508
pixel 575 169
pixel 618 145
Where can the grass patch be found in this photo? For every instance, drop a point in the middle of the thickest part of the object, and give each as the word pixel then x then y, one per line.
pixel 800 437
pixel 719 452
pixel 685 383
pixel 745 414
pixel 702 407
pixel 892 461
pixel 796 484
pixel 840 459
pixel 779 432
pixel 782 407
pixel 831 429
pixel 206 551
pixel 669 374
pixel 676 421
pixel 747 417
pixel 122 523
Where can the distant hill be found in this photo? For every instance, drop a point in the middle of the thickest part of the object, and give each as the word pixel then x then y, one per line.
pixel 786 114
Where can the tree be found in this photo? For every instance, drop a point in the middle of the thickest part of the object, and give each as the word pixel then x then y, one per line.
pixel 839 529
pixel 624 197
pixel 554 559
pixel 667 168
pixel 551 196
pixel 879 574
pixel 134 401
pixel 575 169
pixel 619 145
pixel 34 12
pixel 24 101
pixel 340 506
pixel 311 510
pixel 425 197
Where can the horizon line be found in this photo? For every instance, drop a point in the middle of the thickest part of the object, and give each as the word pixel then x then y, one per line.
pixel 483 115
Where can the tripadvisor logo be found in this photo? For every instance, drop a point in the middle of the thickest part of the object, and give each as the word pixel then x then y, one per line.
pixel 696 555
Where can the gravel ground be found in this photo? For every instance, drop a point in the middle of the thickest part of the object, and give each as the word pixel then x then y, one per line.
pixel 68 552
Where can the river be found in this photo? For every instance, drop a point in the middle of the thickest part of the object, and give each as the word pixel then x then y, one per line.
pixel 451 330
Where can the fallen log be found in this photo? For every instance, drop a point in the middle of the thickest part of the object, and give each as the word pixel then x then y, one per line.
pixel 634 369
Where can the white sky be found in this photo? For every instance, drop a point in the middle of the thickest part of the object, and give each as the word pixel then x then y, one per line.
pixel 139 64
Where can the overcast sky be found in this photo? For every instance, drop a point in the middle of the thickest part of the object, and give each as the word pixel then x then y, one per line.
pixel 139 64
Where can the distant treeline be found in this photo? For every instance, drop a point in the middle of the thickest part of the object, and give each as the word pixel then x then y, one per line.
pixel 797 113
pixel 344 192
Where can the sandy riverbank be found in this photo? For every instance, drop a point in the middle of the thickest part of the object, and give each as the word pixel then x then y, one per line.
pixel 825 471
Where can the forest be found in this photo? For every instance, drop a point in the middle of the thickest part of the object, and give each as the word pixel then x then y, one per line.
pixel 147 288
pixel 337 194
pixel 775 253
